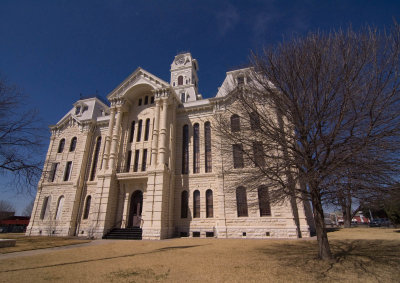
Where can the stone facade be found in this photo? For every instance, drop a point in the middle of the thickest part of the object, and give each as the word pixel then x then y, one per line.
pixel 122 165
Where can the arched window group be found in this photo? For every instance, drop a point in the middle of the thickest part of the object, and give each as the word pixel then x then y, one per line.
pixel 197 204
pixel 263 201
pixel 146 100
pixel 87 207
pixel 196 148
pixel 72 145
pixel 139 130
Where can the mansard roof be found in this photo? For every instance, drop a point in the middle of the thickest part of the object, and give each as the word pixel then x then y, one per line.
pixel 139 76
pixel 89 109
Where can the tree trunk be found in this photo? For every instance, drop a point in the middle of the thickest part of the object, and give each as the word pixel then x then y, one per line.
pixel 324 250
pixel 346 210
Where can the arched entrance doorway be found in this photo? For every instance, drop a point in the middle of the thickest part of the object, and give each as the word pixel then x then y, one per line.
pixel 135 209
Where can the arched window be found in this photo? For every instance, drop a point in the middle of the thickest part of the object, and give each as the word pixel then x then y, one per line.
pixel 95 159
pixel 87 207
pixel 180 80
pixel 241 202
pixel 196 204
pixel 61 146
pixel 254 121
pixel 132 133
pixel 185 150
pixel 235 123
pixel 128 161
pixel 147 130
pixel 184 204
pixel 209 204
pixel 139 132
pixel 263 201
pixel 196 148
pixel 72 146
pixel 45 207
pixel 207 146
pixel 60 204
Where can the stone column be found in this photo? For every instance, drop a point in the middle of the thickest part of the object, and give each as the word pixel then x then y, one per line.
pixel 109 137
pixel 163 132
pixel 154 145
pixel 114 143
pixel 125 212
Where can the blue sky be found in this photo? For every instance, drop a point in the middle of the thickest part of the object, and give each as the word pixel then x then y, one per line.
pixel 55 50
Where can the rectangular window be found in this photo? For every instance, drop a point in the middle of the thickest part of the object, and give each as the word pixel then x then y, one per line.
pixel 146 100
pixel 237 156
pixel 140 102
pixel 128 161
pixel 152 100
pixel 67 172
pixel 136 164
pixel 53 171
pixel 144 159
pixel 258 154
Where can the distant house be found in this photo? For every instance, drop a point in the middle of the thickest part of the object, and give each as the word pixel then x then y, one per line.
pixel 14 224
pixel 359 218
pixel 5 214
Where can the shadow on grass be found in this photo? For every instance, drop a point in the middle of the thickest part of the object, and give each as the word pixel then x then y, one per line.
pixel 333 229
pixel 104 258
pixel 367 258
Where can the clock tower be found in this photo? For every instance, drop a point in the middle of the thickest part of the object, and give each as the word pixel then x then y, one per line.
pixel 184 78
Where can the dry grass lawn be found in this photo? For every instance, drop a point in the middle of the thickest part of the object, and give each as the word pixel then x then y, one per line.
pixel 362 255
pixel 34 243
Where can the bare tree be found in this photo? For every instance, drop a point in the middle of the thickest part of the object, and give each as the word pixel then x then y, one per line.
pixel 6 206
pixel 28 209
pixel 20 137
pixel 317 108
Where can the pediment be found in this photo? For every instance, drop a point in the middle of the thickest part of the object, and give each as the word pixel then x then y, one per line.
pixel 138 77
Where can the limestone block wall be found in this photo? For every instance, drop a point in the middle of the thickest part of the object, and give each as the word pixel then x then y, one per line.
pixel 64 224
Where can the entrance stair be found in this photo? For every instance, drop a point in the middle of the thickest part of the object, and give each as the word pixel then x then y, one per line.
pixel 134 233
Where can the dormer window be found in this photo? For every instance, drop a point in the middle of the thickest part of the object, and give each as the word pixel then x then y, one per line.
pixel 240 80
pixel 77 110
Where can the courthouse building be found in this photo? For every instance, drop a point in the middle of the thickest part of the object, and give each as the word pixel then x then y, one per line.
pixel 146 162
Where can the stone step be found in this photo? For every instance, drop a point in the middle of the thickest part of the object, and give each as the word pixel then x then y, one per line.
pixel 134 233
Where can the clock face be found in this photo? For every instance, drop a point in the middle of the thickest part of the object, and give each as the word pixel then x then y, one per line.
pixel 180 60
